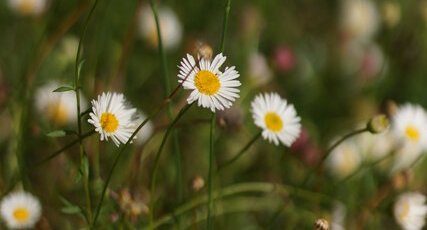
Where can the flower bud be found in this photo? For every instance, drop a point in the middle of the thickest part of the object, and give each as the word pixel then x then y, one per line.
pixel 378 124
pixel 321 224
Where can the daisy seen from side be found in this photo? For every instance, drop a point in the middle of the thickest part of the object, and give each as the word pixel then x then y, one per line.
pixel 210 87
pixel 112 117
pixel 277 119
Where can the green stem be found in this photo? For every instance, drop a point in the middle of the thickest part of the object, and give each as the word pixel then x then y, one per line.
pixel 176 150
pixel 116 160
pixel 157 159
pixel 209 221
pixel 248 187
pixel 79 122
pixel 241 152
pixel 329 151
pixel 210 174
pixel 56 153
pixel 225 23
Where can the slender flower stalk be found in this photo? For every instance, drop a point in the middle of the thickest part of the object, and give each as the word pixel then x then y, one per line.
pixel 213 117
pixel 236 189
pixel 83 156
pixel 175 144
pixel 330 149
pixel 120 153
pixel 69 145
pixel 241 152
pixel 157 159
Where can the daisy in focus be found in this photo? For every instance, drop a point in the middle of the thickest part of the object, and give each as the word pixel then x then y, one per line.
pixel 409 125
pixel 410 210
pixel 277 118
pixel 28 7
pixel 58 107
pixel 112 118
pixel 210 87
pixel 20 210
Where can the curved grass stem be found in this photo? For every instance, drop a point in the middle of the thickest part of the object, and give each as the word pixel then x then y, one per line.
pixel 241 188
pixel 157 159
pixel 83 156
pixel 241 152
pixel 175 144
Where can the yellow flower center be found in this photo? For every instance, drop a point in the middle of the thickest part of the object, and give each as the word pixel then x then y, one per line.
pixel 412 133
pixel 273 122
pixel 26 7
pixel 404 211
pixel 109 122
pixel 57 113
pixel 207 82
pixel 21 214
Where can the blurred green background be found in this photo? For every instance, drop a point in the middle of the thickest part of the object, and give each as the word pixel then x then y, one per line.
pixel 338 69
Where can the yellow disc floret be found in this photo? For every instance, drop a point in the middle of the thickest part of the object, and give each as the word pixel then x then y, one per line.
pixel 412 133
pixel 21 214
pixel 273 122
pixel 109 122
pixel 207 82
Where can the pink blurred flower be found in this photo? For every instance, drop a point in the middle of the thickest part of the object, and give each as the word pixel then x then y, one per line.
pixel 284 59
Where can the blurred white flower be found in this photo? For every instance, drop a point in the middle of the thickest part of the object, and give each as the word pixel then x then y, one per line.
pixel 405 156
pixel 277 119
pixel 259 71
pixel 170 27
pixel 409 125
pixel 359 19
pixel 20 210
pixel 410 210
pixel 112 117
pixel 339 213
pixel 344 159
pixel 210 87
pixel 391 13
pixel 28 7
pixel 58 107
pixel 375 147
pixel 146 131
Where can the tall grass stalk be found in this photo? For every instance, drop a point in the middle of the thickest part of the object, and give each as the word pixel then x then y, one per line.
pixel 84 162
pixel 165 102
pixel 156 161
pixel 209 221
pixel 241 152
pixel 175 143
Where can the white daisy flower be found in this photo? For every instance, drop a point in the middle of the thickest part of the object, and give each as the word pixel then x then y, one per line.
pixel 170 27
pixel 58 107
pixel 277 118
pixel 20 210
pixel 410 210
pixel 28 7
pixel 409 124
pixel 112 118
pixel 210 87
pixel 344 159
